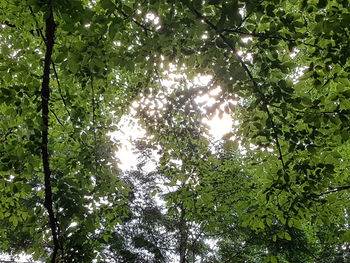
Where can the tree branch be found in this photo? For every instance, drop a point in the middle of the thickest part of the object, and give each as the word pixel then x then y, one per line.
pixel 53 64
pixel 335 190
pixel 246 69
pixel 37 24
pixel 7 23
pixel 144 27
pixel 60 90
pixel 342 112
pixel 45 96
pixel 94 120
pixel 266 36
pixel 59 121
pixel 248 15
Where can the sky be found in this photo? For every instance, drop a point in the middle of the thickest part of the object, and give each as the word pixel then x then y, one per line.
pixel 130 129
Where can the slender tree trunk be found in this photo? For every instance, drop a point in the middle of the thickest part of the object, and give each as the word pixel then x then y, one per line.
pixel 183 235
pixel 45 97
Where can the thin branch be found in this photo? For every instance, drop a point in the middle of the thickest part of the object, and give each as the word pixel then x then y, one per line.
pixel 53 64
pixel 144 27
pixel 59 121
pixel 342 112
pixel 94 119
pixel 266 36
pixel 37 24
pixel 7 23
pixel 250 75
pixel 248 15
pixel 60 90
pixel 314 108
pixel 335 190
pixel 45 97
pixel 93 107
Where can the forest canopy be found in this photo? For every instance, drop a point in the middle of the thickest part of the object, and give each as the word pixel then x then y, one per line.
pixel 274 188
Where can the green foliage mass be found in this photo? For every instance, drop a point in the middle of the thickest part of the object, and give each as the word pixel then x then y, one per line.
pixel 275 189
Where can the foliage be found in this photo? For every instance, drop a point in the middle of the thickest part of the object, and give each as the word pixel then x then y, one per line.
pixel 276 188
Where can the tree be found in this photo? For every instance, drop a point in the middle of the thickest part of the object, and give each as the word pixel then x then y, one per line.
pixel 183 156
pixel 71 69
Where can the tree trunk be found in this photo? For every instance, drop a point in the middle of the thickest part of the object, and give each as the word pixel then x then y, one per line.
pixel 183 235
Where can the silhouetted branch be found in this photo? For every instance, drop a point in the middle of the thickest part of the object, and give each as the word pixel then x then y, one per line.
pixel 7 23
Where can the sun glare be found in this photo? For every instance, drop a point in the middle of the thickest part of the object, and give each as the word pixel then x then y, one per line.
pixel 218 127
pixel 130 130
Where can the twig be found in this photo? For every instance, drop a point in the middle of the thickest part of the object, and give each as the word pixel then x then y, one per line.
pixel 37 24
pixel 57 118
pixel 343 112
pixel 248 15
pixel 335 190
pixel 94 119
pixel 265 36
pixel 7 23
pixel 60 90
pixel 144 27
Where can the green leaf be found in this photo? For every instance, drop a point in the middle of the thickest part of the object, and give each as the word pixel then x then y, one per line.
pixel 273 259
pixel 108 4
pixel 274 238
pixel 287 236
pixel 346 236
